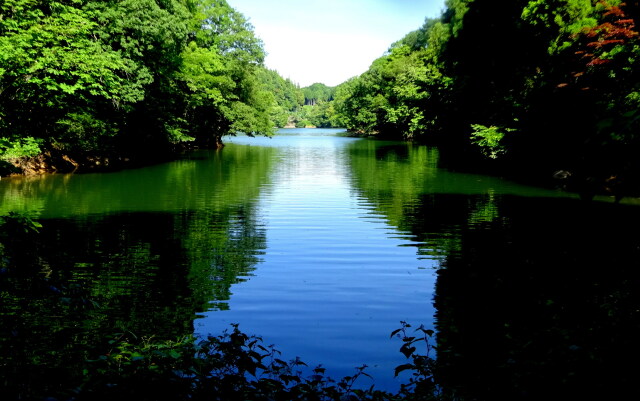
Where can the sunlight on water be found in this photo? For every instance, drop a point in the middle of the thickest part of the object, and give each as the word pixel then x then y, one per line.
pixel 336 278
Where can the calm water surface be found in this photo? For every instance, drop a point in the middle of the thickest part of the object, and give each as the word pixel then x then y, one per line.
pixel 322 244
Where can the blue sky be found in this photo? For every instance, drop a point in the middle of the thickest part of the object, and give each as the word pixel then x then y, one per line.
pixel 330 41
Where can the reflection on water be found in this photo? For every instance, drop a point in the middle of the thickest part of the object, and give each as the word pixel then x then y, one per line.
pixel 203 180
pixel 322 244
pixel 336 277
pixel 405 185
pixel 140 251
pixel 148 274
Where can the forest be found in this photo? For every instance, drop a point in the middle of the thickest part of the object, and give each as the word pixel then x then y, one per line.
pixel 538 87
pixel 542 89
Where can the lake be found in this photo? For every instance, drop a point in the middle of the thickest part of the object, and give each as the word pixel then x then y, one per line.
pixel 321 244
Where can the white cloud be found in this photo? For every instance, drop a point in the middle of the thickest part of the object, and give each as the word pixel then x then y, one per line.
pixel 330 41
pixel 307 57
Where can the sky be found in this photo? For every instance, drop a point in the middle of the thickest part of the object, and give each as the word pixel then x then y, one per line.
pixel 330 41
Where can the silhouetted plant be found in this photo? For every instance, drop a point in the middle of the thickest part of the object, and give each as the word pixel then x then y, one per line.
pixel 422 384
pixel 235 365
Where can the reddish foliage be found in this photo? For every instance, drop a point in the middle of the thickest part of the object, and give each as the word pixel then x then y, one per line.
pixel 617 30
pixel 598 61
pixel 602 43
pixel 614 10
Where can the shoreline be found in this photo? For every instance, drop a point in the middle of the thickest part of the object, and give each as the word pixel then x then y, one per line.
pixel 52 162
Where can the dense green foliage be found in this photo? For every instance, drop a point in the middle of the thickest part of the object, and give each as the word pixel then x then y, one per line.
pixel 543 85
pixel 321 115
pixel 318 110
pixel 121 78
pixel 235 365
pixel 287 96
pixel 311 106
pixel 317 93
pixel 400 90
pixel 293 106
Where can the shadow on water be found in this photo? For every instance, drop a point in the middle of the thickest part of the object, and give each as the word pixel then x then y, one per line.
pixel 543 303
pixel 83 280
pixel 536 293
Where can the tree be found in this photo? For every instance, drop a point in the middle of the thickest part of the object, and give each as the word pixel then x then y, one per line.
pixel 317 93
pixel 55 65
pixel 287 97
pixel 402 93
pixel 222 93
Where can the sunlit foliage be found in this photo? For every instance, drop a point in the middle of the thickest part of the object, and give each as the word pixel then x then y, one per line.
pixel 127 77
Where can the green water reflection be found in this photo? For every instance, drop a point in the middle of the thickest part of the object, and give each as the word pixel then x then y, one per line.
pixel 404 183
pixel 205 180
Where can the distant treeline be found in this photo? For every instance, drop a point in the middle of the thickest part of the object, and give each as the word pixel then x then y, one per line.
pixel 542 85
pixel 298 107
